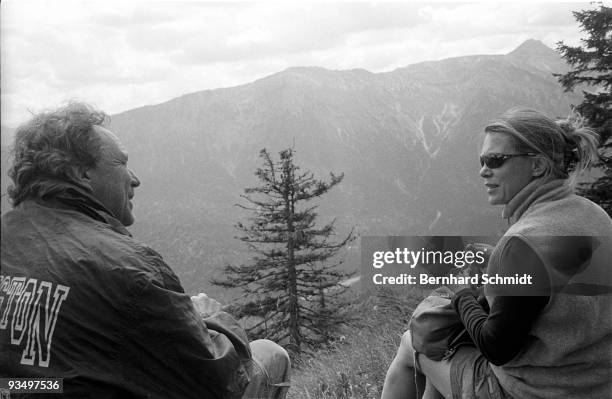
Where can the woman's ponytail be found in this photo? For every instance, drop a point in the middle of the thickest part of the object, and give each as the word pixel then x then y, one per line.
pixel 580 145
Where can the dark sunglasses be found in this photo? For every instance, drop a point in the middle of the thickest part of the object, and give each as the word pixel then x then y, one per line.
pixel 494 161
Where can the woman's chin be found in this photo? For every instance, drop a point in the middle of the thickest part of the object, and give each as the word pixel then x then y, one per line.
pixel 494 200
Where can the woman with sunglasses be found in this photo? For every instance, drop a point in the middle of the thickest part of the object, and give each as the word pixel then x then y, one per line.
pixel 552 339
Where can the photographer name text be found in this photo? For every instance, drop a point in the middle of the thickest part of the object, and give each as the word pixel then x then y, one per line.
pixel 477 279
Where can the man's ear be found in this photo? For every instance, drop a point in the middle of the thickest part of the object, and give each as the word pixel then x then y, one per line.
pixel 84 174
pixel 539 166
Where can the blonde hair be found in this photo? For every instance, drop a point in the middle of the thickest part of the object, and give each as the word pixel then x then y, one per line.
pixel 568 146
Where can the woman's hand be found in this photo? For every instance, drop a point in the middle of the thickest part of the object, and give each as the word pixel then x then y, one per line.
pixel 474 269
pixel 484 249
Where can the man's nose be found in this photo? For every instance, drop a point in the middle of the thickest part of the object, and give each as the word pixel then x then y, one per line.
pixel 135 181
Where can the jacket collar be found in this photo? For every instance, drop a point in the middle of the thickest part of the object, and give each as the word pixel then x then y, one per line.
pixel 77 198
pixel 539 190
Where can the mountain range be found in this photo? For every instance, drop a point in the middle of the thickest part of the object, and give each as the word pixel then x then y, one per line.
pixel 407 141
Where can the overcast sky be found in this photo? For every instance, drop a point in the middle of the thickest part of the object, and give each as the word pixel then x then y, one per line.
pixel 123 55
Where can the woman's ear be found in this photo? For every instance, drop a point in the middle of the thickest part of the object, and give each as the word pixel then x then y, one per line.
pixel 539 166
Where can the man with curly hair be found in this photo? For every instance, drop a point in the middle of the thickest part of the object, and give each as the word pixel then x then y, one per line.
pixel 82 300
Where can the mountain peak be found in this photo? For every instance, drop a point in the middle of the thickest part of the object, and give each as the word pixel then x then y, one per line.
pixel 538 55
pixel 532 47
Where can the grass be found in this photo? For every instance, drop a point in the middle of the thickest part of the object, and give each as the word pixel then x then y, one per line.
pixel 355 365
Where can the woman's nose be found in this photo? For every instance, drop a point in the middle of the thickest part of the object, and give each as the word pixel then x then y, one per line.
pixel 485 171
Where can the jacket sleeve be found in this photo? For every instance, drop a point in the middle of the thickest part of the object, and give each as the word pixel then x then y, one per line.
pixel 501 333
pixel 200 358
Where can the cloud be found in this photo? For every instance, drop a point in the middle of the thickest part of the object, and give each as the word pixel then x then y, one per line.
pixel 121 55
pixel 267 29
pixel 141 16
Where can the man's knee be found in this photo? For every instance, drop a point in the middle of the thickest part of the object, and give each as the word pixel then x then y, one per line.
pixel 269 353
pixel 270 378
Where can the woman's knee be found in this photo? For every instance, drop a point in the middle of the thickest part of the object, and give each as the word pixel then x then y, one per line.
pixel 407 340
pixel 405 352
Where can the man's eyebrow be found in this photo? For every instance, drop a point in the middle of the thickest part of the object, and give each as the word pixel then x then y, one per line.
pixel 122 157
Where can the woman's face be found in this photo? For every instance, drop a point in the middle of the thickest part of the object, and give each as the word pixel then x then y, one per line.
pixel 505 182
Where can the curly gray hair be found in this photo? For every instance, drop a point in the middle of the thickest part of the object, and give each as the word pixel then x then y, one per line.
pixel 56 145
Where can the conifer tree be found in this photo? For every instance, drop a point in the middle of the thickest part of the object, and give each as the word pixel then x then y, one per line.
pixel 291 289
pixel 592 66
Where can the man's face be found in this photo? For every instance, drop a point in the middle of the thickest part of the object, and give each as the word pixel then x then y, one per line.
pixel 112 182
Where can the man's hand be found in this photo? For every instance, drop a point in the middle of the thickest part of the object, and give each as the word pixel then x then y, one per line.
pixel 205 306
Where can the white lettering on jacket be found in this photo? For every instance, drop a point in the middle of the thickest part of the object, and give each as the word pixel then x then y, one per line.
pixel 31 308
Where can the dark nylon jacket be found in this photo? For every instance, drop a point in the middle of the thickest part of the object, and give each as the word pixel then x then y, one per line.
pixel 82 300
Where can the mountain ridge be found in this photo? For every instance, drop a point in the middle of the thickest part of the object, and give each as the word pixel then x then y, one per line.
pixel 407 141
pixel 529 50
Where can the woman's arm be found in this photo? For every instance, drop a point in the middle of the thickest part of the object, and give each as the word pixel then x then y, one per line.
pixel 501 334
